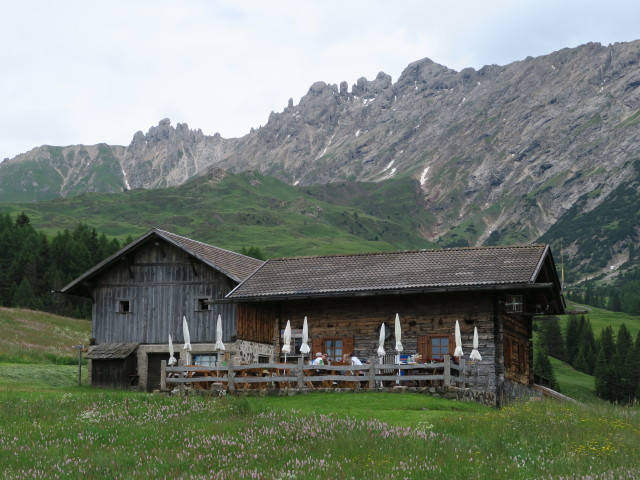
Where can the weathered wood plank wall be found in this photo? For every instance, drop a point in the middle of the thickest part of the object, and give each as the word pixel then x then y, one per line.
pixel 162 284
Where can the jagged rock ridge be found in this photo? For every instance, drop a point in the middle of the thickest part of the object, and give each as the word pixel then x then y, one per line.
pixel 500 153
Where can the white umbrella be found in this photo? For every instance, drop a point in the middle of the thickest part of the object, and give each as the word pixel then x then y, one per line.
pixel 458 352
pixel 398 334
pixel 475 354
pixel 185 334
pixel 286 347
pixel 381 351
pixel 172 359
pixel 399 347
pixel 219 343
pixel 304 348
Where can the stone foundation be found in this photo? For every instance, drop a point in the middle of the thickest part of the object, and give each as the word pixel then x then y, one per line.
pixel 243 351
pixel 449 393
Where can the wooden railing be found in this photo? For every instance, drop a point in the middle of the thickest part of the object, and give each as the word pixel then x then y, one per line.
pixel 299 376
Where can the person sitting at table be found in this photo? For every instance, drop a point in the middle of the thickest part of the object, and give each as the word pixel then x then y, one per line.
pixel 318 360
pixel 354 360
pixel 325 359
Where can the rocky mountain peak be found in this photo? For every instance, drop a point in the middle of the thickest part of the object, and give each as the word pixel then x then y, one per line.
pixel 499 154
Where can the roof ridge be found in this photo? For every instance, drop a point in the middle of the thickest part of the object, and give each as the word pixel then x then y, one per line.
pixel 207 244
pixel 401 252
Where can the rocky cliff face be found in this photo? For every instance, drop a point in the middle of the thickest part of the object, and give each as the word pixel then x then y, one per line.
pixel 500 153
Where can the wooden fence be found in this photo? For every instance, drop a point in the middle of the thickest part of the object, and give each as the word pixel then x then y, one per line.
pixel 301 376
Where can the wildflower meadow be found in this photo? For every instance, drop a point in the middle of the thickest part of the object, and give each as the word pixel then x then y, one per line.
pixel 91 434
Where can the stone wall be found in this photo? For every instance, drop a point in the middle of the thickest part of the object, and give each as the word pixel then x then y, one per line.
pixel 449 393
pixel 245 352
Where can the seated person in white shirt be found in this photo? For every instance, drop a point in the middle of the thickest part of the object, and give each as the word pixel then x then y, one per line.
pixel 318 359
pixel 354 360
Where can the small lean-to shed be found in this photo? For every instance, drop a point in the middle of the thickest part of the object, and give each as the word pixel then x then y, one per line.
pixel 141 294
pixel 498 290
pixel 114 365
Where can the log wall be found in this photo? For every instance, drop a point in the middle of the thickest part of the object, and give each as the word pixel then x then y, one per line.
pixel 420 314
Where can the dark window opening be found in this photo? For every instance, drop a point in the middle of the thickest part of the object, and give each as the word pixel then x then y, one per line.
pixel 124 306
pixel 202 304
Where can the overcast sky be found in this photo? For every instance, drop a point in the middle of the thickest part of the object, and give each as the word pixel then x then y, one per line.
pixel 85 71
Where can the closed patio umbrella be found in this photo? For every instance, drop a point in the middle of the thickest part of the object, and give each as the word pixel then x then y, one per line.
pixel 172 359
pixel 475 354
pixel 304 348
pixel 185 334
pixel 398 333
pixel 219 343
pixel 286 347
pixel 381 351
pixel 458 351
pixel 187 338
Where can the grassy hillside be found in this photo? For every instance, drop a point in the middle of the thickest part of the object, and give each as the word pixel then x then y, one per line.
pixel 600 318
pixel 28 336
pixel 249 209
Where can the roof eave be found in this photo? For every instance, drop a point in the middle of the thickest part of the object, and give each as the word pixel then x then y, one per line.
pixel 390 291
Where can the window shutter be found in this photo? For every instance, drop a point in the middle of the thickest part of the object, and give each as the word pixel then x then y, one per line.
pixel 348 344
pixel 423 347
pixel 316 346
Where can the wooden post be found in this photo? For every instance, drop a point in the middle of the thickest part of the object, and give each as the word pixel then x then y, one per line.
pixel 447 371
pixel 300 372
pixel 231 376
pixel 79 347
pixel 163 375
pixel 372 372
pixel 181 385
pixel 462 372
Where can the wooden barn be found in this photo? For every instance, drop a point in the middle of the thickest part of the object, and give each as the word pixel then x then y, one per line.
pixel 140 296
pixel 346 298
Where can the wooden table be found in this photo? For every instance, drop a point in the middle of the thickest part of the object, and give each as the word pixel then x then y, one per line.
pixel 254 373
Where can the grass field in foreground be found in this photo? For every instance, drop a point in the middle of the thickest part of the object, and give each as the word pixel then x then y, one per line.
pixel 78 432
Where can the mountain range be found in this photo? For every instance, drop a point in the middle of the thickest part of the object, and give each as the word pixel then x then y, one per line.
pixel 542 149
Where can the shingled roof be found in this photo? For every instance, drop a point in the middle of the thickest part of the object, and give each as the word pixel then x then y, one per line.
pixel 234 265
pixel 406 271
pixel 111 351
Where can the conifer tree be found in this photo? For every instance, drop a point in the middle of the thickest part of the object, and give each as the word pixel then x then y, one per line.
pixel 602 376
pixel 551 338
pixel 632 367
pixel 572 339
pixel 542 367
pixel 588 345
pixel 23 296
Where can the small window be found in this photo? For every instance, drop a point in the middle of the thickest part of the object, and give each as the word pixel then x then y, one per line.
pixel 264 359
pixel 435 347
pixel 205 359
pixel 124 306
pixel 334 349
pixel 202 304
pixel 439 347
pixel 513 303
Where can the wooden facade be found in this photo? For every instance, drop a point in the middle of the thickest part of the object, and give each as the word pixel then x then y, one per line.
pixel 144 297
pixel 142 293
pixel 114 366
pixel 356 320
